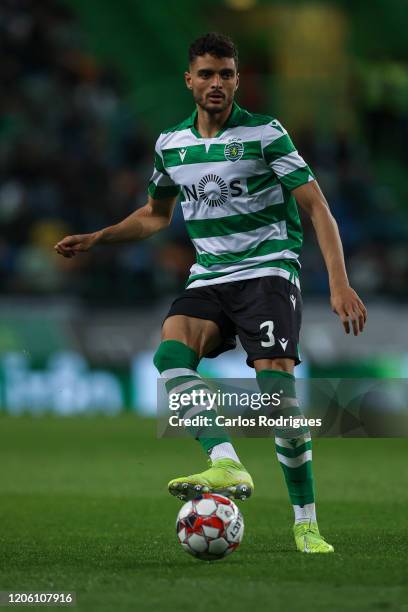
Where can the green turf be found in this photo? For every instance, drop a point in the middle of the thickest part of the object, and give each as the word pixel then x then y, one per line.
pixel 84 507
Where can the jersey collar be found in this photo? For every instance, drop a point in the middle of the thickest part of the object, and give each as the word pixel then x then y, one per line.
pixel 232 121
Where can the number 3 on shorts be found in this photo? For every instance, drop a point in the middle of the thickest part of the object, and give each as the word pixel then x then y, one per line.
pixel 269 333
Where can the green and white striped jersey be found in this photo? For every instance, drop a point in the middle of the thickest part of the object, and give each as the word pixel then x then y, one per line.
pixel 236 196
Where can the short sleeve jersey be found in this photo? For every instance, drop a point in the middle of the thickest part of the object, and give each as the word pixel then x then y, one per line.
pixel 235 191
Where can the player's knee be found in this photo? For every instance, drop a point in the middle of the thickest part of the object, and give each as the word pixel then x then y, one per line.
pixel 175 354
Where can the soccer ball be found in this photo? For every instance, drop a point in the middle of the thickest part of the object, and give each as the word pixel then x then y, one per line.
pixel 210 527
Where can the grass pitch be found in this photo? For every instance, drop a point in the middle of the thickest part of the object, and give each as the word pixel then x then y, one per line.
pixel 84 507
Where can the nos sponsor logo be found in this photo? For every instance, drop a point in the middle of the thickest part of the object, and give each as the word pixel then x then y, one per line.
pixel 213 190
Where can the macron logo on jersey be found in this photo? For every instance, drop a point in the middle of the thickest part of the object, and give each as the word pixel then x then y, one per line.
pixel 275 123
pixel 182 154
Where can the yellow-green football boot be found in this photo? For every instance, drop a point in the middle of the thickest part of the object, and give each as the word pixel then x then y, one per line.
pixel 308 538
pixel 225 477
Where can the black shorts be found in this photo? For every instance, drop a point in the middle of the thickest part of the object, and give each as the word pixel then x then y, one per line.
pixel 265 312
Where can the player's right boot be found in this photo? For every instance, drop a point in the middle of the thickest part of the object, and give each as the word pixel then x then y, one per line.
pixel 225 477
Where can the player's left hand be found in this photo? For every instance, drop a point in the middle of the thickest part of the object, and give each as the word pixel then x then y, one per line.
pixel 350 308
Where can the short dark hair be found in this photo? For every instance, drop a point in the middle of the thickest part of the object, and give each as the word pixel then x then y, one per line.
pixel 214 44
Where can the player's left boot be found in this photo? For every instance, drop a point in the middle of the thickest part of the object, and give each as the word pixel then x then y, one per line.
pixel 225 477
pixel 308 538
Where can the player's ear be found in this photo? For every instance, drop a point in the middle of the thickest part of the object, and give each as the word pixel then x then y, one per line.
pixel 187 78
pixel 237 83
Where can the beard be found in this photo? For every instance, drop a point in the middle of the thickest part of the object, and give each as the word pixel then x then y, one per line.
pixel 212 108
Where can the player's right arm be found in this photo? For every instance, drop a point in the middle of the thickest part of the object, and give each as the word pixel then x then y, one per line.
pixel 143 223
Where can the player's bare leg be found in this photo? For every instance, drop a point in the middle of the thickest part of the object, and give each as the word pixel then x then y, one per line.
pixel 201 335
pixel 184 341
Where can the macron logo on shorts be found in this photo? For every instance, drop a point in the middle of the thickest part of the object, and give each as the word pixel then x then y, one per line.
pixel 283 343
pixel 293 300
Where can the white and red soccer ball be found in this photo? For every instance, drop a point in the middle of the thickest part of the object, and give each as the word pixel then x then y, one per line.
pixel 210 527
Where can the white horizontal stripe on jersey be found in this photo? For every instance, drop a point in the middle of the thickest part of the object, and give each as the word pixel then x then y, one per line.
pixel 245 263
pixel 173 140
pixel 271 133
pixel 241 241
pixel 288 163
pixel 235 206
pixel 245 275
pixel 250 134
pixel 186 138
pixel 161 180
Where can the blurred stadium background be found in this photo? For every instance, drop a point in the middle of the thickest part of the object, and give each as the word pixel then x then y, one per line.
pixel 86 89
pixel 86 86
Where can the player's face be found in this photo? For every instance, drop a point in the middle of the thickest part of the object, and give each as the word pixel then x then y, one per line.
pixel 213 82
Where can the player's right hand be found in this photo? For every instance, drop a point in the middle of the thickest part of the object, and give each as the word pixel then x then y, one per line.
pixel 71 245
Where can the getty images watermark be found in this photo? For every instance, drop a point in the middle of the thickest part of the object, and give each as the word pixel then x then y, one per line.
pixel 326 407
pixel 203 400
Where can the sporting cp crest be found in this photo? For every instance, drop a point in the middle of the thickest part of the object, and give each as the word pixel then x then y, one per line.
pixel 234 150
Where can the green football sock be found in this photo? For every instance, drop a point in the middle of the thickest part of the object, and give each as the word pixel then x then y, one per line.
pixel 177 363
pixel 293 449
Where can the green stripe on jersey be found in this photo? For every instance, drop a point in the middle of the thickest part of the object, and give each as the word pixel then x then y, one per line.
pixel 223 226
pixel 158 164
pixel 261 181
pixel 267 247
pixel 296 178
pixel 197 154
pixel 278 148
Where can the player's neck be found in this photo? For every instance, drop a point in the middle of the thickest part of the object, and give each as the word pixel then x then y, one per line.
pixel 208 125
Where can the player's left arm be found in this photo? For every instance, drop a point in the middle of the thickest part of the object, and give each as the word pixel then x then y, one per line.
pixel 344 300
